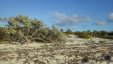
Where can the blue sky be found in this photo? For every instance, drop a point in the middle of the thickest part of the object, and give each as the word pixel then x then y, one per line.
pixel 78 15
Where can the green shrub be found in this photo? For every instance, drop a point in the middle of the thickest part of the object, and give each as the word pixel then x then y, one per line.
pixel 49 35
pixel 84 35
pixel 25 30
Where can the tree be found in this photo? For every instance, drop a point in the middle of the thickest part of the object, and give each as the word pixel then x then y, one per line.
pixel 20 27
pixel 84 35
pixel 69 31
pixel 61 30
pixel 24 30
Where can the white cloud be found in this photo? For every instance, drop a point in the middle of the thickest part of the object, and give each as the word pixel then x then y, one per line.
pixel 80 18
pixel 100 22
pixel 61 19
pixel 60 16
pixel 111 16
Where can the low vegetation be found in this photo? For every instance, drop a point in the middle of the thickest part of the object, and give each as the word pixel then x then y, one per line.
pixel 22 29
pixel 58 54
pixel 89 34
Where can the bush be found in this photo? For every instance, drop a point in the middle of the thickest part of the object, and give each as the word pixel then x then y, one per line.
pixel 84 35
pixel 4 42
pixel 109 37
pixel 49 35
pixel 22 29
pixel 2 34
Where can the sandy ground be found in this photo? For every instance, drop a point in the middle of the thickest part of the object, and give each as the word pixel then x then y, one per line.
pixel 70 53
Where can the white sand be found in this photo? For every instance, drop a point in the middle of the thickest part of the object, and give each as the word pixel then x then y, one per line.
pixel 71 41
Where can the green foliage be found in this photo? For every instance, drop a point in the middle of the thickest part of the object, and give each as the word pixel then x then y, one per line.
pixel 84 35
pixel 36 24
pixel 61 30
pixel 23 29
pixel 110 37
pixel 55 34
pixel 49 35
pixel 4 42
pixel 100 34
pixel 1 18
pixel 2 34
pixel 69 31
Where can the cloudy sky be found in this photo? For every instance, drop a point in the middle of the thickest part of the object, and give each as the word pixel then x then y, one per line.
pixel 78 15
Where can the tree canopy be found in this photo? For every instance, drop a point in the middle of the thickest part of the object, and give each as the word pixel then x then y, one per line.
pixel 23 29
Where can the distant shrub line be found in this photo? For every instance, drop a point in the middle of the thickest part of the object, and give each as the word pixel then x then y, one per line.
pixel 89 34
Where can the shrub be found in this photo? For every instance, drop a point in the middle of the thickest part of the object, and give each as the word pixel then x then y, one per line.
pixel 84 35
pixel 25 30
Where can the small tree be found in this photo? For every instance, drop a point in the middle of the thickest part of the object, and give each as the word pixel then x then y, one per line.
pixel 69 31
pixel 55 34
pixel 22 29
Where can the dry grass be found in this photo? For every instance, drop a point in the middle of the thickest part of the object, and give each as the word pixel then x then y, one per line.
pixel 53 54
